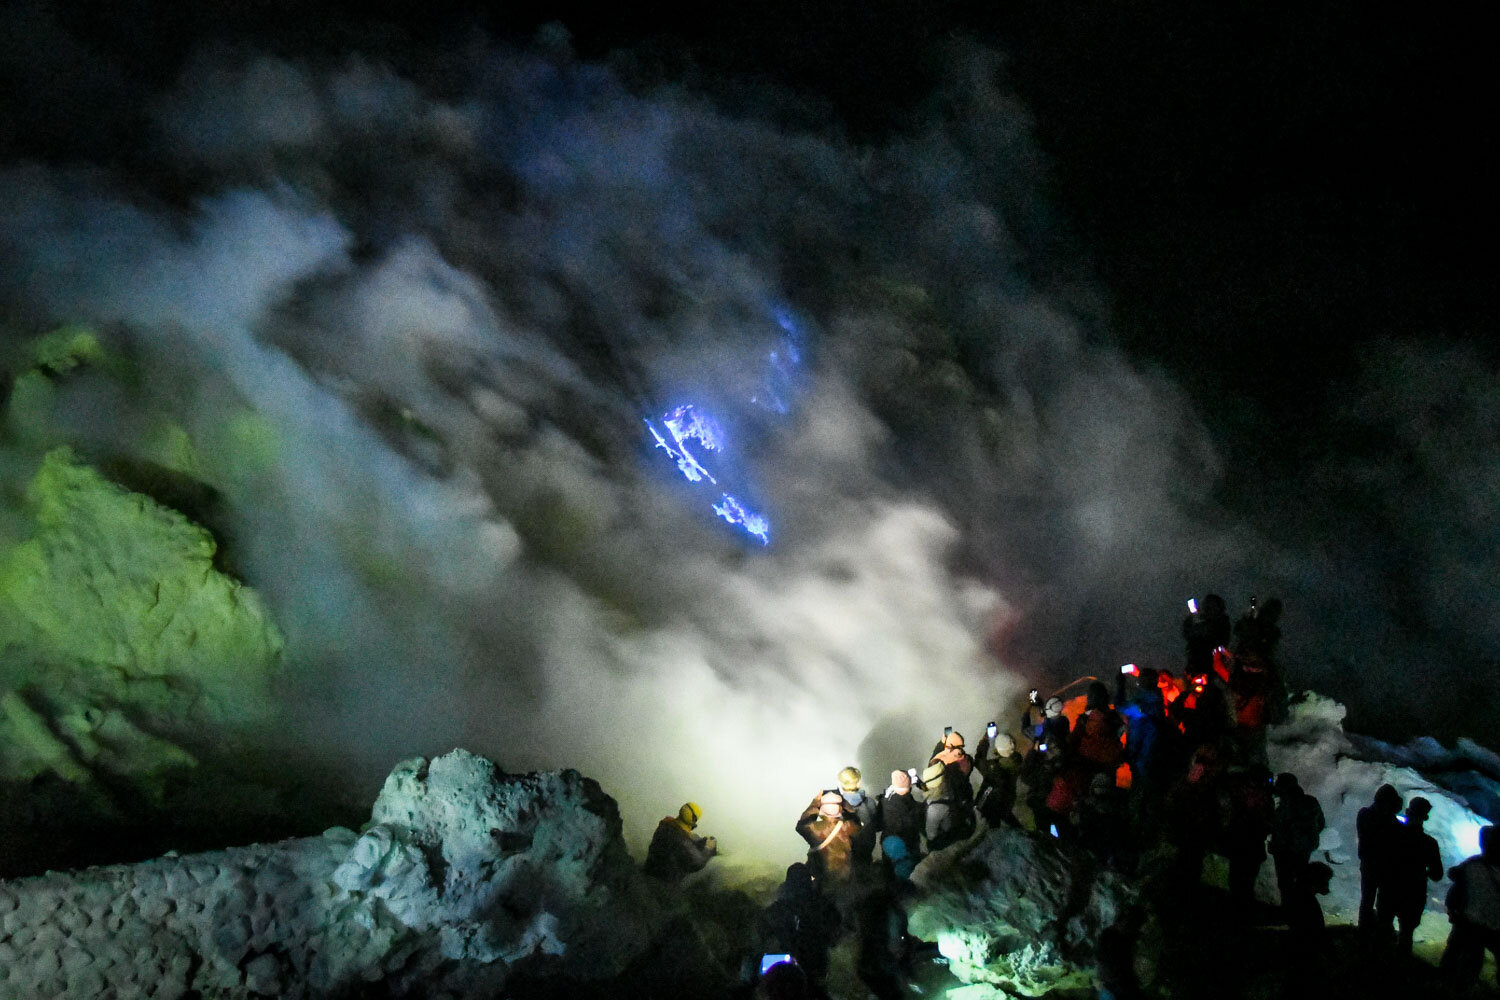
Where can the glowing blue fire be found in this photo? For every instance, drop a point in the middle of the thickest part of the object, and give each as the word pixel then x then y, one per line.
pixel 781 365
pixel 687 424
pixel 734 512
pixel 687 427
pixel 689 434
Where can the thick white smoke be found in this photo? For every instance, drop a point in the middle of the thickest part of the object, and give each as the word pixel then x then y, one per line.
pixel 416 338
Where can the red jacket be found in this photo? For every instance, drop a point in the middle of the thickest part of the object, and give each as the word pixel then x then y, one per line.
pixel 1096 738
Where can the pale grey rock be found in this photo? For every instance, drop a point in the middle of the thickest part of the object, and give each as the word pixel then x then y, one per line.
pixel 464 877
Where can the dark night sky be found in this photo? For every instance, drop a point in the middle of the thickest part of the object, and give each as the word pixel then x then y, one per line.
pixel 1259 189
pixel 1263 192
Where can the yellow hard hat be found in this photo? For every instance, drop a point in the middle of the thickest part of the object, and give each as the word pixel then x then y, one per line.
pixel 849 779
pixel 690 814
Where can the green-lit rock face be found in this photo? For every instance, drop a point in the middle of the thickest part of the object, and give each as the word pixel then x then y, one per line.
pixel 119 639
pixel 142 579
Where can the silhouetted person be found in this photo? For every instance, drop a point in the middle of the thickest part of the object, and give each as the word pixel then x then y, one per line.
pixel 1205 713
pixel 676 851
pixel 1096 736
pixel 1250 813
pixel 1114 969
pixel 883 942
pixel 785 981
pixel 901 815
pixel 1376 826
pixel 1102 824
pixel 1295 826
pixel 1148 750
pixel 1257 631
pixel 1414 861
pixel 1193 811
pixel 801 922
pixel 1306 936
pixel 1205 631
pixel 1474 909
pixel 1250 686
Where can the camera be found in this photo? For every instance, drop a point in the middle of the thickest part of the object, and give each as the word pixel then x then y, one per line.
pixel 1042 747
pixel 992 729
pixel 1192 606
pixel 947 730
pixel 1128 668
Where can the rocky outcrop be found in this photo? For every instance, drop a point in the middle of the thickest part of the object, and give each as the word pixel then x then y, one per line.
pixel 1017 913
pixel 464 877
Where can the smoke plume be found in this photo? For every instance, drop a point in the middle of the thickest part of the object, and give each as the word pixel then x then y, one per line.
pixel 426 336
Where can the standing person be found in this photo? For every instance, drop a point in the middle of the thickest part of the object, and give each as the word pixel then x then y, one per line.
pixel 1474 909
pixel 902 816
pixel 1095 738
pixel 1307 936
pixel 884 947
pixel 1101 824
pixel 1193 817
pixel 998 765
pixel 801 922
pixel 1204 631
pixel 865 809
pixel 1250 683
pixel 1065 778
pixel 1033 717
pixel 1204 713
pixel 1148 738
pixel 950 796
pixel 1056 729
pixel 830 830
pixel 1376 827
pixel 1114 968
pixel 676 851
pixel 1250 812
pixel 1257 631
pixel 1413 861
pixel 1295 826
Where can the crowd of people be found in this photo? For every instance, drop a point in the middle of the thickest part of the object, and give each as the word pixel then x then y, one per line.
pixel 1168 765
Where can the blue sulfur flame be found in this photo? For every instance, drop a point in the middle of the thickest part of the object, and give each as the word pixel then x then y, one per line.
pixel 688 427
pixel 689 434
pixel 734 512
pixel 687 424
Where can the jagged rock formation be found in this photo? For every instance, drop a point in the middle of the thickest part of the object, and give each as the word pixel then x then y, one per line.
pixel 1331 766
pixel 1017 913
pixel 464 877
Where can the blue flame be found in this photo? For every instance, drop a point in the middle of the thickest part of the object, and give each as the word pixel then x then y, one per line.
pixel 782 361
pixel 695 440
pixel 687 424
pixel 735 512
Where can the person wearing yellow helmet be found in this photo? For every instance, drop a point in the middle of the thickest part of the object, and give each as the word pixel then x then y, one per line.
pixel 676 850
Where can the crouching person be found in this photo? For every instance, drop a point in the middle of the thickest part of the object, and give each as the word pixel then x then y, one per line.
pixel 676 851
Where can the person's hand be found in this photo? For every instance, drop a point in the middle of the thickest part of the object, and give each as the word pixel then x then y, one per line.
pixel 712 843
